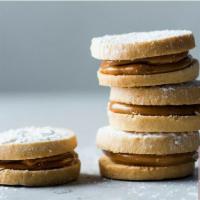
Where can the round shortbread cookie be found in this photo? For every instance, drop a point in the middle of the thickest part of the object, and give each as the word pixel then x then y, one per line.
pixel 142 123
pixel 180 94
pixel 41 177
pixel 141 44
pixel 112 170
pixel 31 143
pixel 118 141
pixel 179 76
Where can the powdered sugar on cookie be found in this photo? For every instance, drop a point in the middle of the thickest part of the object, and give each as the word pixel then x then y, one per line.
pixel 33 134
pixel 130 46
pixel 118 141
pixel 108 130
pixel 136 37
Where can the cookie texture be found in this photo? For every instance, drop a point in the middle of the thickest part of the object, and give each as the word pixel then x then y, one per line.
pixel 179 76
pixel 40 178
pixel 179 94
pixel 140 123
pixel 112 170
pixel 30 143
pixel 136 45
pixel 118 141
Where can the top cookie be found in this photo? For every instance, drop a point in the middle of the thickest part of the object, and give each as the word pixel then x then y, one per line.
pixel 32 142
pixel 136 45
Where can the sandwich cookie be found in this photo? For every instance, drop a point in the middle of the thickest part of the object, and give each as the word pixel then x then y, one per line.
pixel 146 156
pixel 38 157
pixel 145 58
pixel 168 108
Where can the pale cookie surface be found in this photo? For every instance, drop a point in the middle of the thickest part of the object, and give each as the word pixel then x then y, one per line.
pixel 32 142
pixel 135 45
pixel 180 94
pixel 112 170
pixel 179 76
pixel 118 141
pixel 141 123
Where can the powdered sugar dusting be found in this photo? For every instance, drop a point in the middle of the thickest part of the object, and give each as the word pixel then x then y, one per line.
pixel 33 134
pixel 110 130
pixel 136 37
pixel 166 88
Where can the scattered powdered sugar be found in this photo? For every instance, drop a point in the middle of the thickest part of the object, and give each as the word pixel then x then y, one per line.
pixel 190 84
pixel 33 134
pixel 179 138
pixel 167 89
pixel 136 37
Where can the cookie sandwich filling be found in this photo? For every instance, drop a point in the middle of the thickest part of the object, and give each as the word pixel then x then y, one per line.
pixel 46 163
pixel 180 110
pixel 147 66
pixel 151 160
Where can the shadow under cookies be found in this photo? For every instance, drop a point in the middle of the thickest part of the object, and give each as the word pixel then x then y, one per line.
pixel 88 179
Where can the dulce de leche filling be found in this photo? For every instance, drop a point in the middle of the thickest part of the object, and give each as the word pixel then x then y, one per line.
pixel 181 110
pixel 155 65
pixel 151 160
pixel 46 163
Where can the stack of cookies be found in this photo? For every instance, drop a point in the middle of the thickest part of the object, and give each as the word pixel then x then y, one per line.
pixel 154 106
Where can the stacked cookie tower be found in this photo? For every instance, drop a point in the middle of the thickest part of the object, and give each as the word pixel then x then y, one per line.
pixel 154 107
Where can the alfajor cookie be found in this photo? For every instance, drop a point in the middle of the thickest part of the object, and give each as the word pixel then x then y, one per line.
pixel 38 157
pixel 146 156
pixel 145 58
pixel 169 108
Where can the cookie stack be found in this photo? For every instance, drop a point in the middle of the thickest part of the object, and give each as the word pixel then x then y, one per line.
pixel 154 106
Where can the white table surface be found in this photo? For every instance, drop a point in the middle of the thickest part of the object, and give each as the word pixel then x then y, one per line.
pixel 84 113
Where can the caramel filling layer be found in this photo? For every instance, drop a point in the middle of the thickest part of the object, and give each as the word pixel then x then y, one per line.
pixel 145 69
pixel 46 163
pixel 182 110
pixel 151 160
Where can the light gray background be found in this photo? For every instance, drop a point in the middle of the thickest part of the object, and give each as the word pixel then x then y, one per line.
pixel 44 46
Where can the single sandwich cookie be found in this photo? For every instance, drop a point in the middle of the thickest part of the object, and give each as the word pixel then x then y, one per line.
pixel 172 108
pixel 38 156
pixel 145 156
pixel 145 59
